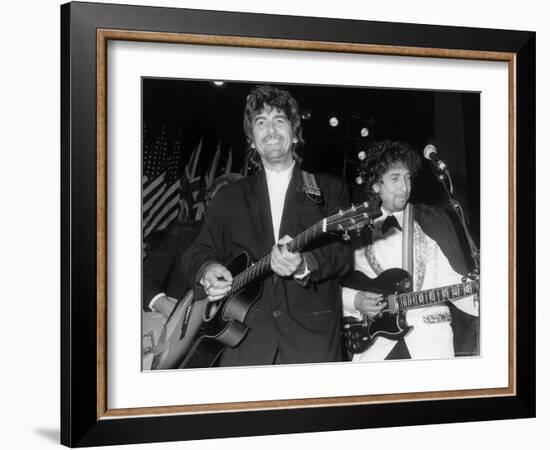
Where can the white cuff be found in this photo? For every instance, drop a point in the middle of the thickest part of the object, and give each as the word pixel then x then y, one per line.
pixel 154 299
pixel 348 302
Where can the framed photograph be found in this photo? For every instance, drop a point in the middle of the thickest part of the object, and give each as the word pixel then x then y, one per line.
pixel 162 116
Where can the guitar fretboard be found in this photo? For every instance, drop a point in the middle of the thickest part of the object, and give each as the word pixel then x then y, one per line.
pixel 351 219
pixel 262 267
pixel 429 297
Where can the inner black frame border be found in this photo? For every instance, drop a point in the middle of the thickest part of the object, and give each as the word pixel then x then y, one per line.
pixel 80 425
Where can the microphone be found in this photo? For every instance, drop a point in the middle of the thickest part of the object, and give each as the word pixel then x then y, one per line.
pixel 430 153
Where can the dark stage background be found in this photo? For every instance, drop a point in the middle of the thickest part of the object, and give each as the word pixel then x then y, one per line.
pixel 193 134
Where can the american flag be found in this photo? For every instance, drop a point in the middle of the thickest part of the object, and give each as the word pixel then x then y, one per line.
pixel 161 184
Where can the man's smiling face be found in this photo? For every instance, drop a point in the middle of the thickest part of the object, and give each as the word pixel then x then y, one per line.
pixel 273 137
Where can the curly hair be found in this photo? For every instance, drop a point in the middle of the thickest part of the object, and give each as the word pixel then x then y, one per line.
pixel 277 98
pixel 381 156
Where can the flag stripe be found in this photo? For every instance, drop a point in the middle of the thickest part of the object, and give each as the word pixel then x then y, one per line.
pixel 148 203
pixel 168 193
pixel 150 187
pixel 163 222
pixel 161 181
pixel 169 204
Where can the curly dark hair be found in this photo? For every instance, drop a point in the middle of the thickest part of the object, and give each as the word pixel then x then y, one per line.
pixel 381 156
pixel 272 97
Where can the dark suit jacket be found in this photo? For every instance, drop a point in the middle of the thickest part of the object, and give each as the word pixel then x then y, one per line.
pixel 437 225
pixel 290 322
pixel 161 266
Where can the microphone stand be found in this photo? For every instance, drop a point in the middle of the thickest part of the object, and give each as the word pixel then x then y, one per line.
pixel 444 176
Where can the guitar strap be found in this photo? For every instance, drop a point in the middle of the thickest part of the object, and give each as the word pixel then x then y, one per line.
pixel 407 243
pixel 311 189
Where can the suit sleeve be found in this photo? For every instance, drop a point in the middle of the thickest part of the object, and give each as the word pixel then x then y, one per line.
pixel 211 243
pixel 157 267
pixel 332 256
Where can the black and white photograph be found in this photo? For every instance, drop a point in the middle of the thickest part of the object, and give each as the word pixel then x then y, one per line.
pixel 299 224
pixel 280 224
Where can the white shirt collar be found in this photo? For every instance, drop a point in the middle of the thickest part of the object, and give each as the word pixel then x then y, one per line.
pixel 285 174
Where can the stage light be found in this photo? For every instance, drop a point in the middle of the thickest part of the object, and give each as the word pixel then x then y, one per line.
pixel 333 122
pixel 361 155
pixel 359 180
pixel 219 83
pixel 364 132
pixel 306 115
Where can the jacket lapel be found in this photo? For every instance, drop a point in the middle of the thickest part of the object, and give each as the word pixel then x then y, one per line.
pixel 438 226
pixel 262 226
pixel 292 210
pixel 293 206
pixel 259 204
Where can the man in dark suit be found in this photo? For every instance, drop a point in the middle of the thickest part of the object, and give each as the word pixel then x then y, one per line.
pixel 296 319
pixel 421 239
pixel 162 281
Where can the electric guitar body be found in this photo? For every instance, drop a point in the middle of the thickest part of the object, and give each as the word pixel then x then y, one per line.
pixel 397 288
pixel 361 334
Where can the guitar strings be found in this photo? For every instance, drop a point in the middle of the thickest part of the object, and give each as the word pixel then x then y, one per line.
pixel 410 300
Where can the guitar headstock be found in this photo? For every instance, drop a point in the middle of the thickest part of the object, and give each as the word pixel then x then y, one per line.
pixel 353 218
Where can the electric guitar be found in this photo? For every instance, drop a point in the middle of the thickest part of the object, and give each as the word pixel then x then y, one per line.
pixel 197 330
pixel 396 285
